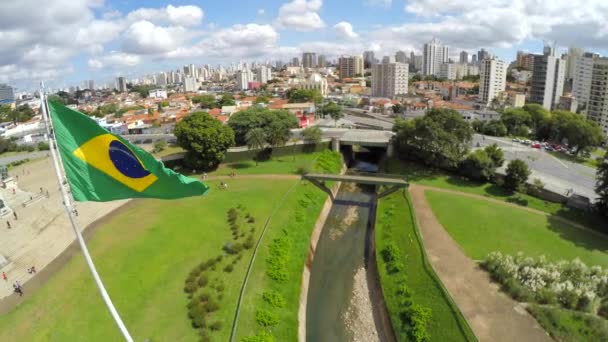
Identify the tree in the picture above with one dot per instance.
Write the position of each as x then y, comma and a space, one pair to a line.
204, 138
226, 100
277, 134
256, 117
601, 187
150, 111
517, 174
262, 99
334, 110
159, 108
159, 146
440, 138
312, 135
514, 118
206, 101
496, 154
495, 128
578, 131
398, 108
478, 165
304, 95
539, 116
256, 140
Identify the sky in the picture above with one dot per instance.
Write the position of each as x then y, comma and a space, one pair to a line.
64, 42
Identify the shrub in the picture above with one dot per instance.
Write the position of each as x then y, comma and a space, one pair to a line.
219, 288
217, 325
278, 258
190, 288
202, 281
251, 219
229, 268
266, 318
603, 309
274, 298
261, 337
211, 306
390, 252
517, 174
43, 146
248, 244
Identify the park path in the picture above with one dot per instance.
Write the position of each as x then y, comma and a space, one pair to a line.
261, 176
491, 314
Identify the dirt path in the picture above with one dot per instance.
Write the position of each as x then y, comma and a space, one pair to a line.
491, 314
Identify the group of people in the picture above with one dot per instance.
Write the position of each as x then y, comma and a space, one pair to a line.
17, 285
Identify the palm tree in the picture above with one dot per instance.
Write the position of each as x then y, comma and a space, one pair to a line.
256, 140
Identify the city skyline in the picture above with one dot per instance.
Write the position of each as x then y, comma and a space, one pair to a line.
67, 42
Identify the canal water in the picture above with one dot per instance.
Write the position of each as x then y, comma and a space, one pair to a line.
339, 306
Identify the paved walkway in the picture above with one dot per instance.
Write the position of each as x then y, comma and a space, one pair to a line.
491, 314
42, 231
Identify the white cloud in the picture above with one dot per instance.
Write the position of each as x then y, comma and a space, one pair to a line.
179, 16
114, 59
378, 3
300, 15
261, 11
143, 37
345, 30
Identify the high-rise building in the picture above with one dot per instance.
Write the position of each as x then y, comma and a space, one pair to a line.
388, 59
243, 77
369, 59
434, 55
321, 61
350, 66
581, 83
474, 59
264, 74
482, 54
401, 57
598, 99
464, 57
418, 63
121, 84
295, 61
453, 71
573, 53
309, 60
389, 78
492, 79
161, 79
547, 79
91, 85
6, 94
525, 60
190, 84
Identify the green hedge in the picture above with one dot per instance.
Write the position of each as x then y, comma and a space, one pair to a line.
232, 157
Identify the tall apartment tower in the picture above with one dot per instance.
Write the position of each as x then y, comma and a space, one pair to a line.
389, 78
243, 77
369, 58
581, 81
547, 79
401, 57
492, 79
598, 98
464, 57
482, 54
350, 66
309, 60
434, 55
321, 61
264, 74
573, 53
121, 84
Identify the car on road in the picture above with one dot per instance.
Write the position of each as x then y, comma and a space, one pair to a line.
516, 140
536, 146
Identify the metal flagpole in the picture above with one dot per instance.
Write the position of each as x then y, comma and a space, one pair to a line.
68, 208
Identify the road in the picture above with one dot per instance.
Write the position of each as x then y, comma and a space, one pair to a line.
17, 157
559, 175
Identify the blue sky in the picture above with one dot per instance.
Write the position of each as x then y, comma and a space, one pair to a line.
66, 41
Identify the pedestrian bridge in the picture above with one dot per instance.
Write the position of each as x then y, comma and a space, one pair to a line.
392, 182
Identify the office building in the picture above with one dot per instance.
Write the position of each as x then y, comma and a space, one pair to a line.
598, 98
547, 79
388, 59
525, 60
243, 77
418, 63
91, 85
295, 62
401, 57
581, 82
350, 66
389, 78
6, 94
482, 54
264, 74
464, 57
474, 59
190, 84
309, 60
161, 79
434, 55
492, 79
321, 61
369, 59
121, 84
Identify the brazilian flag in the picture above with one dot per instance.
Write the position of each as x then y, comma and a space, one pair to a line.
101, 166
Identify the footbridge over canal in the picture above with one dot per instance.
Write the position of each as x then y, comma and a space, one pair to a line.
392, 182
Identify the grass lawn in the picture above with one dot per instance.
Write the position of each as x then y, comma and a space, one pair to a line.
169, 150
591, 161
294, 220
395, 223
566, 325
418, 174
481, 227
144, 254
276, 165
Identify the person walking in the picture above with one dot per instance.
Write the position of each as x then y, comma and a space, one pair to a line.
15, 215
4, 276
8, 225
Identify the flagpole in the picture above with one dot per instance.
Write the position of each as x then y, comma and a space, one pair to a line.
67, 204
